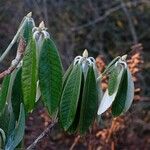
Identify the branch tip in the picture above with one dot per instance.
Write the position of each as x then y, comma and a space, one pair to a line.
85, 53
42, 25
29, 14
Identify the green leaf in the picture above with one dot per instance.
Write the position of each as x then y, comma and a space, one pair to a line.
125, 94
119, 102
112, 82
26, 32
70, 97
17, 134
89, 102
29, 76
50, 76
2, 138
109, 66
17, 95
130, 91
66, 75
73, 128
107, 99
7, 120
3, 93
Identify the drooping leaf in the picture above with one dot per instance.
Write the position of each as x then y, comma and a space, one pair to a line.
7, 119
17, 134
70, 97
107, 100
3, 93
112, 82
124, 96
73, 128
99, 89
50, 75
26, 32
2, 138
89, 102
17, 95
111, 64
29, 76
119, 102
130, 91
66, 75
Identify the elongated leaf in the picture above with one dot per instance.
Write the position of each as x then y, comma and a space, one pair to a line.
112, 83
29, 76
66, 75
73, 128
130, 91
7, 119
100, 92
70, 97
27, 29
3, 93
2, 138
107, 100
17, 134
125, 96
111, 64
89, 104
50, 75
17, 95
119, 102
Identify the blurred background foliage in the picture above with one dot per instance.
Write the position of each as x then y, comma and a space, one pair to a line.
104, 27
101, 26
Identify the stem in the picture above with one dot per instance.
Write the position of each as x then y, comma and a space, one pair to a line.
42, 135
16, 61
12, 42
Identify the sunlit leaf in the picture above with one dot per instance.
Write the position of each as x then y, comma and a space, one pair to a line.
50, 75
70, 97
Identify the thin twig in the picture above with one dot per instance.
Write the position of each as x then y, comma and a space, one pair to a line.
16, 61
75, 142
12, 43
42, 135
131, 25
108, 13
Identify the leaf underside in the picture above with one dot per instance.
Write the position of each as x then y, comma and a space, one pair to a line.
107, 99
17, 134
70, 97
50, 76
